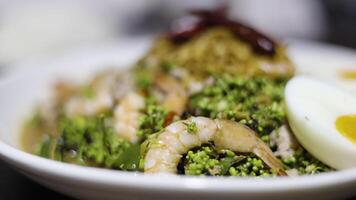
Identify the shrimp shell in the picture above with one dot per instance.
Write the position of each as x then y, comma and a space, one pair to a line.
126, 116
175, 141
175, 95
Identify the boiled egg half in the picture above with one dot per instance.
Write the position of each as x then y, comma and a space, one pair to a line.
323, 118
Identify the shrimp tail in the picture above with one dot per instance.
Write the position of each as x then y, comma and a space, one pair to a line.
267, 156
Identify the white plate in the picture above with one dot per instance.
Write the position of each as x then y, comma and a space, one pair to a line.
27, 85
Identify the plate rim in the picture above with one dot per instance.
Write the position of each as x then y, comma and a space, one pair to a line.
34, 164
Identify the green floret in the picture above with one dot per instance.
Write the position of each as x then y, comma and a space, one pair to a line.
256, 102
88, 141
202, 161
121, 154
208, 161
192, 127
143, 79
305, 163
167, 67
88, 92
36, 120
251, 166
153, 119
47, 148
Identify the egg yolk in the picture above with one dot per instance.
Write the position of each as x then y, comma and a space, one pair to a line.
346, 125
348, 74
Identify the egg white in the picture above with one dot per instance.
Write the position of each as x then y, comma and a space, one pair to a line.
312, 109
327, 65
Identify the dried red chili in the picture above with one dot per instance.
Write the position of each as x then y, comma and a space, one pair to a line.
200, 20
169, 118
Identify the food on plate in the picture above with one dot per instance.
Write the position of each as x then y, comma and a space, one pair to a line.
208, 42
348, 74
164, 152
323, 118
206, 99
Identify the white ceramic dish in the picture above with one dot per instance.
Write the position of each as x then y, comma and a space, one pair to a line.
24, 86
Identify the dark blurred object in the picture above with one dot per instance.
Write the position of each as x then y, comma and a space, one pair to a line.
15, 186
341, 22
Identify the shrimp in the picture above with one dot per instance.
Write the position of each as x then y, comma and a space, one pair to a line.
164, 154
285, 142
175, 96
103, 86
102, 101
128, 111
127, 114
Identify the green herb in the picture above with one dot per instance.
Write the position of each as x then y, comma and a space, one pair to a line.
88, 92
192, 127
88, 141
167, 67
143, 79
305, 163
256, 102
252, 166
201, 161
36, 120
47, 148
207, 161
152, 121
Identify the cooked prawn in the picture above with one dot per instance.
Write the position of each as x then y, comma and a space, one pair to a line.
107, 87
175, 96
127, 114
78, 105
128, 111
164, 154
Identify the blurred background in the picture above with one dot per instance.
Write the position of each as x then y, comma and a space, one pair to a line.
40, 27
